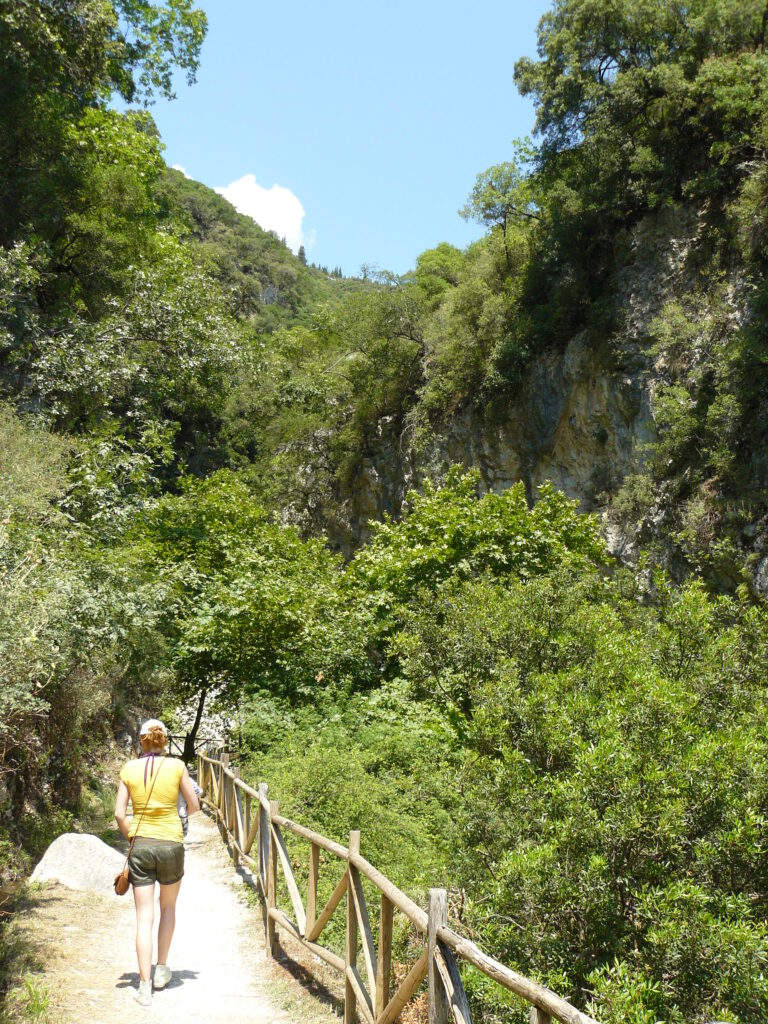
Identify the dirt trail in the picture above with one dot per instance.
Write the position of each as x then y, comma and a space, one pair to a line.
220, 971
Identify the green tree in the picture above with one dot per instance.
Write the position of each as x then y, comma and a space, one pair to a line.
451, 531
57, 60
249, 607
159, 361
641, 96
70, 630
502, 194
438, 269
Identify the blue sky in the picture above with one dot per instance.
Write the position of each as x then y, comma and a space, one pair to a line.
354, 128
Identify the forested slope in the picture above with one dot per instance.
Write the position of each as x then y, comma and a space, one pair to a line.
609, 331
193, 423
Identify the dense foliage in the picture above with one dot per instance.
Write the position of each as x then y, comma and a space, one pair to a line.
581, 758
612, 793
577, 750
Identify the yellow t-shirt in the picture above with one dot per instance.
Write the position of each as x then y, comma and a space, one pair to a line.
161, 817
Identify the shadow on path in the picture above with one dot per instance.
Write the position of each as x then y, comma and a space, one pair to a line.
305, 977
130, 979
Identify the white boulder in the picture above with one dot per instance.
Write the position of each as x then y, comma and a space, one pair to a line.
80, 862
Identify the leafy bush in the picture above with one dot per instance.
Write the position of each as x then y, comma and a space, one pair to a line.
612, 783
452, 531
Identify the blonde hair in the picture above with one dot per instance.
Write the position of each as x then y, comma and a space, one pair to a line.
154, 739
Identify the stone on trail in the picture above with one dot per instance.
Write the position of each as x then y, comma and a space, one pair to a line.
80, 862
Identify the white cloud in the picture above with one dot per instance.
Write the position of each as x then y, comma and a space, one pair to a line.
178, 167
274, 209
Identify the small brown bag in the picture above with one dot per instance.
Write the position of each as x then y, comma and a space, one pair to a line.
123, 879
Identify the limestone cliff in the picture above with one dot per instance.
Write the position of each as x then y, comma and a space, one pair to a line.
579, 422
583, 413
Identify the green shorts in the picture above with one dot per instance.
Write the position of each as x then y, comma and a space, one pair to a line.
156, 860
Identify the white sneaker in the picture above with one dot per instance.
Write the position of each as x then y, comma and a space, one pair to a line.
144, 995
162, 975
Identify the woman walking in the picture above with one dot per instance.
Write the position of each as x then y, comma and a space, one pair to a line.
153, 783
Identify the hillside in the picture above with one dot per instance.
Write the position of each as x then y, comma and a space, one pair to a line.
656, 420
607, 334
271, 287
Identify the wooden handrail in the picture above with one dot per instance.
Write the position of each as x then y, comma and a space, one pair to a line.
534, 993
314, 837
222, 789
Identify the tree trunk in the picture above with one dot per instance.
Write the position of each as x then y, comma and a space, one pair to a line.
189, 740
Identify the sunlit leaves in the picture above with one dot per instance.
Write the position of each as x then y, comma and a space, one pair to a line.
453, 531
153, 41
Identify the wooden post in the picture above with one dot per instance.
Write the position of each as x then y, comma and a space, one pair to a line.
439, 1007
263, 837
314, 870
537, 1016
223, 797
384, 966
247, 818
262, 849
350, 959
272, 883
234, 827
222, 804
227, 808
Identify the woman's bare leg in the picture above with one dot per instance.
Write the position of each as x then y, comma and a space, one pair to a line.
168, 897
144, 898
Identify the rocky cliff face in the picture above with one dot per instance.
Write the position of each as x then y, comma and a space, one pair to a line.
583, 414
577, 422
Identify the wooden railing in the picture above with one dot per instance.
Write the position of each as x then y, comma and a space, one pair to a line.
177, 742
253, 826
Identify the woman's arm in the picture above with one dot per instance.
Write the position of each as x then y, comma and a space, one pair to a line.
189, 794
121, 808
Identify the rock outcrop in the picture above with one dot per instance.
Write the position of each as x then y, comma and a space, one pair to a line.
80, 862
583, 413
578, 423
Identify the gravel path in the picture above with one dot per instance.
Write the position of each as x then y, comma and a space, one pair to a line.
217, 956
